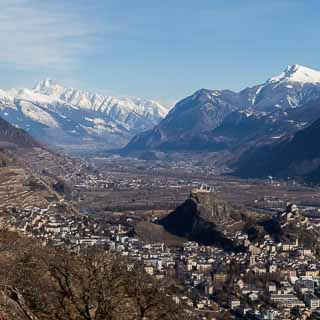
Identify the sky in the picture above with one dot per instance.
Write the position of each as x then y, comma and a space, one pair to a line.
156, 49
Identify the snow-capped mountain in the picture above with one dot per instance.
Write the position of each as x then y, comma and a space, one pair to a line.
295, 86
116, 108
189, 125
297, 73
67, 116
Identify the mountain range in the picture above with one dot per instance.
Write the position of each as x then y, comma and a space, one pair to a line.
195, 122
240, 128
252, 132
78, 119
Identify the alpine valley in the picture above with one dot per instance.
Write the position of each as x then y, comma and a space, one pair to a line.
257, 132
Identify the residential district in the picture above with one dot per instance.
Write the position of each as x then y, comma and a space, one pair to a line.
268, 280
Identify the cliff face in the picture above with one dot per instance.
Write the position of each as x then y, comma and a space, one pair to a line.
199, 219
212, 209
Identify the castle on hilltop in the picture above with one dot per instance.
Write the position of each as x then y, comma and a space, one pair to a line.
204, 188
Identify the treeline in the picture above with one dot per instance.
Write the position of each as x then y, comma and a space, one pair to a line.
40, 283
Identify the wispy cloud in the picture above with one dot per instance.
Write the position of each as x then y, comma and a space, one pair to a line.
39, 35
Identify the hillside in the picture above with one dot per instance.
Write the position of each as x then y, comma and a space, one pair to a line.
296, 156
286, 227
23, 184
11, 136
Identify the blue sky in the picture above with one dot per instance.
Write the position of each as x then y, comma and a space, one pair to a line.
162, 50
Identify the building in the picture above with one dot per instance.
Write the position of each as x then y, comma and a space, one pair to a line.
272, 268
311, 301
149, 270
288, 300
219, 277
272, 287
304, 286
234, 303
290, 246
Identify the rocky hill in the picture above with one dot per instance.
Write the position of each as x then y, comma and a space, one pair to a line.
288, 227
209, 221
203, 218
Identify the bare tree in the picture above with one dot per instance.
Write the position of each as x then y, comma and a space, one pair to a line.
42, 283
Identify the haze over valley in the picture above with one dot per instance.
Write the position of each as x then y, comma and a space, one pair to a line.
159, 160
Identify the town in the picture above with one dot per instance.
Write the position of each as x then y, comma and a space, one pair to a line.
267, 280
103, 201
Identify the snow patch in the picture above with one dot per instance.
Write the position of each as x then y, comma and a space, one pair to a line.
37, 114
297, 73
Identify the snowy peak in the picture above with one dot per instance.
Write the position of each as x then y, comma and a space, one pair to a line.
297, 73
44, 84
99, 102
49, 87
60, 115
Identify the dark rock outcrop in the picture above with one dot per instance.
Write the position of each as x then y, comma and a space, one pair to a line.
199, 219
